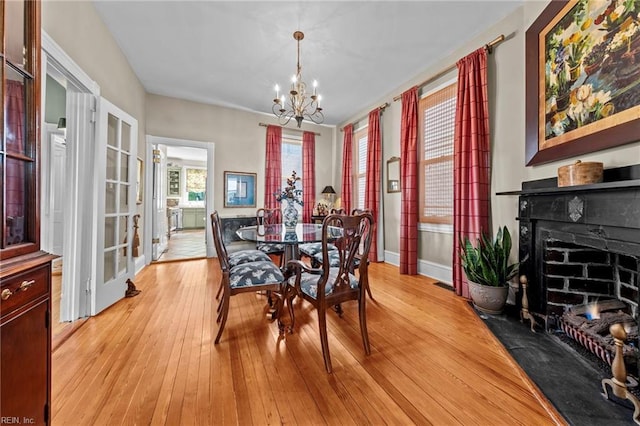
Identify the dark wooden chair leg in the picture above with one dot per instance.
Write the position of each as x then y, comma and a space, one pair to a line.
291, 295
219, 292
324, 340
363, 324
225, 312
369, 290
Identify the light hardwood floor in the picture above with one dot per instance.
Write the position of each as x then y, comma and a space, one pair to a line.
151, 360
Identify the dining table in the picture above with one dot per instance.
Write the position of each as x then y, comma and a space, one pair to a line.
289, 237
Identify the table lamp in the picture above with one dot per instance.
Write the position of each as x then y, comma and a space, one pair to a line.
329, 192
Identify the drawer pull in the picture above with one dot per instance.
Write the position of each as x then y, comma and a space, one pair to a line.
6, 293
26, 284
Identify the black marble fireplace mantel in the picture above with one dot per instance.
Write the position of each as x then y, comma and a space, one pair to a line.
603, 216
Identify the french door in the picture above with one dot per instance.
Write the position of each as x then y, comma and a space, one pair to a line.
115, 201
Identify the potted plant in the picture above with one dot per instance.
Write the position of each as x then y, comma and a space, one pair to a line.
488, 270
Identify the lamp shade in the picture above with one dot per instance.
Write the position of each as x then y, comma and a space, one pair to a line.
328, 190
62, 123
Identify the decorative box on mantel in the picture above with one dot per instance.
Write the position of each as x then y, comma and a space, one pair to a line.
602, 217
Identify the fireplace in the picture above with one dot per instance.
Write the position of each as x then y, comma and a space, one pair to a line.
580, 246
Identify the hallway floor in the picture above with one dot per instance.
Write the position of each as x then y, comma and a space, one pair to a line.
185, 244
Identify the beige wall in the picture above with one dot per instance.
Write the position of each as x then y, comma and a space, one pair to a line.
507, 109
76, 27
239, 141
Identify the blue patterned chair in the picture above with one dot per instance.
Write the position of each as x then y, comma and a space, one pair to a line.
266, 217
238, 257
334, 257
258, 275
329, 286
311, 249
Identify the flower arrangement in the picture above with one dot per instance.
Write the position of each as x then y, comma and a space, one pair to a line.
290, 192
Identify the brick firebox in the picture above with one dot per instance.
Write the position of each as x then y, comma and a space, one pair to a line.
577, 275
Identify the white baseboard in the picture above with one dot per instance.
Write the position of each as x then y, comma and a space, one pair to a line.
437, 271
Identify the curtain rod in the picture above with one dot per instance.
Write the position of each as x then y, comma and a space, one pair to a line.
288, 128
381, 107
488, 47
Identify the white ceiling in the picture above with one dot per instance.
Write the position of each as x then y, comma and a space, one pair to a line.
233, 53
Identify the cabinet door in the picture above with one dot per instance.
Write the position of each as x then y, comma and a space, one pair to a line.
188, 218
173, 182
20, 89
24, 364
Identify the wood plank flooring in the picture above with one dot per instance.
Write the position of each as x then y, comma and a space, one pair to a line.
151, 360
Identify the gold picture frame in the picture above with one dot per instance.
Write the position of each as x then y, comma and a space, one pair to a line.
139, 181
583, 79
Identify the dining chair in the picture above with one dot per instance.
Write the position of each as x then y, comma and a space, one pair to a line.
260, 275
267, 217
334, 257
328, 286
311, 249
237, 257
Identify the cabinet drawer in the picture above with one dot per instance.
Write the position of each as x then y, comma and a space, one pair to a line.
23, 288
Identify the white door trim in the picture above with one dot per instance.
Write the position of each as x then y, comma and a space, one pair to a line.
82, 92
148, 195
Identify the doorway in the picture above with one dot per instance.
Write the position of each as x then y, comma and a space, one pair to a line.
179, 200
67, 158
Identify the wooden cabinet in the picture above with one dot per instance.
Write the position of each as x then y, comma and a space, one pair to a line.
25, 271
193, 217
173, 182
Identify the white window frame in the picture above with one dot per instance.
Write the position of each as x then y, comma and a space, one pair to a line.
292, 140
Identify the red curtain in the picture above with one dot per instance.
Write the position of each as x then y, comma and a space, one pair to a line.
347, 168
273, 167
409, 179
372, 178
15, 131
308, 175
471, 167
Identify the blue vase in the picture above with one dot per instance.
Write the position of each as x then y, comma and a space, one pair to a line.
290, 215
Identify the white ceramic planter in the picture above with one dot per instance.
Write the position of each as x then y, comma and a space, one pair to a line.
487, 298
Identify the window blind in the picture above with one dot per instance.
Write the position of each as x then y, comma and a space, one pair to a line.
436, 131
361, 166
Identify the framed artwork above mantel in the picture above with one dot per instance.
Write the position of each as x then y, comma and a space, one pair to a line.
582, 78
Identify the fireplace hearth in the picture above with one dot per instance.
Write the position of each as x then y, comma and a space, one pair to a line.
580, 247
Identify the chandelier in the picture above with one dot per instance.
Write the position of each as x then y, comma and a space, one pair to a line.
301, 105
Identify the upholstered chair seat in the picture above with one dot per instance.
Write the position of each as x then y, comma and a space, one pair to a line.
270, 248
334, 259
254, 273
311, 249
246, 256
309, 282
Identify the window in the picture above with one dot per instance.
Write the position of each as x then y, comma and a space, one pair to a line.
360, 174
436, 123
196, 184
292, 160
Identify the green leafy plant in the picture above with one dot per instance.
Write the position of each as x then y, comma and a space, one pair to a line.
487, 262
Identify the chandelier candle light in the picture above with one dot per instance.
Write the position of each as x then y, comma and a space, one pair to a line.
300, 106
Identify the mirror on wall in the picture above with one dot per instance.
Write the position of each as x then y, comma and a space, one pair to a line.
393, 174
